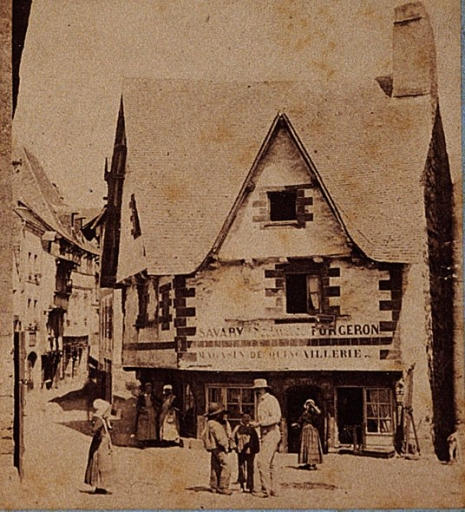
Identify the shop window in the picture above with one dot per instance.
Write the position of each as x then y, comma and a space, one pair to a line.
378, 404
303, 293
237, 400
282, 205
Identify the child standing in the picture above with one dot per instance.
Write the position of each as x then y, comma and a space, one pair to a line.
247, 445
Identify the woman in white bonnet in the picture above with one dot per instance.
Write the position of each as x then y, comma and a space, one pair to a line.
168, 420
99, 464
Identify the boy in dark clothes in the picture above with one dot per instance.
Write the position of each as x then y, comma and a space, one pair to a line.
247, 445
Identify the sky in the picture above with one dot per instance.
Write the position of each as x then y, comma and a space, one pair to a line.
77, 51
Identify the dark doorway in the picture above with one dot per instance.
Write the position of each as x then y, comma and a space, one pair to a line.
350, 415
295, 399
31, 361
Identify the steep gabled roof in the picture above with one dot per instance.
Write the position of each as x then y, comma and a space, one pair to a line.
191, 145
33, 189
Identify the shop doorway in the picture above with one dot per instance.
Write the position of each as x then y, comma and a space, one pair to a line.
295, 399
350, 416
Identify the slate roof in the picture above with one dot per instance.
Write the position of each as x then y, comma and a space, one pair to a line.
32, 188
191, 145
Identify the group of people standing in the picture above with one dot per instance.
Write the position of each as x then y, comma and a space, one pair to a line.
156, 420
219, 440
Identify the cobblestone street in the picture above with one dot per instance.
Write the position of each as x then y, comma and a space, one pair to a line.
56, 455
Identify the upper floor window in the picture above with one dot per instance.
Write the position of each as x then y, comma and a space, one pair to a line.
135, 229
303, 293
143, 300
282, 205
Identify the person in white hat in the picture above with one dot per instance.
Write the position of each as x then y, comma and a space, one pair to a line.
99, 463
168, 420
268, 419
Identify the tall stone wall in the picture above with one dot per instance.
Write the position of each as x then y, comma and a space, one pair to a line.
6, 253
438, 208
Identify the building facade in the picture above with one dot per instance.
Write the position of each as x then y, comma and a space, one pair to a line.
54, 280
106, 355
278, 230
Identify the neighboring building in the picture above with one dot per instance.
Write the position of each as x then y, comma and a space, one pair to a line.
54, 279
279, 230
106, 357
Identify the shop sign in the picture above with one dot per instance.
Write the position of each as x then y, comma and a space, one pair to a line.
288, 358
268, 330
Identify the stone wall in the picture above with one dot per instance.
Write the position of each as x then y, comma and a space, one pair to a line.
6, 253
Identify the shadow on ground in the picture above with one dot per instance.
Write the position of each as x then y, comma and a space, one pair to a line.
199, 488
78, 400
308, 486
301, 468
123, 424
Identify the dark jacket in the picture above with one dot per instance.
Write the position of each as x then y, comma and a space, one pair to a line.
246, 439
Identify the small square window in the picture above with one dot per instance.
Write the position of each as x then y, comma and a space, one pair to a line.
282, 205
303, 293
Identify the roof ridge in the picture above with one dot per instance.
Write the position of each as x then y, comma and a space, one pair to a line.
50, 208
58, 224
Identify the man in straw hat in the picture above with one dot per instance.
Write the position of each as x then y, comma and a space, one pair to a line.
269, 418
218, 446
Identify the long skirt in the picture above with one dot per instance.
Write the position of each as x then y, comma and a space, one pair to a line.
310, 446
99, 464
146, 424
169, 428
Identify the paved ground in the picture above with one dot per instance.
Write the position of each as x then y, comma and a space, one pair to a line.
56, 456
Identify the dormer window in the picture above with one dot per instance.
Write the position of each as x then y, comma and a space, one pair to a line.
282, 205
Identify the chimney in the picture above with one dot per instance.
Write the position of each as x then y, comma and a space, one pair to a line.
414, 56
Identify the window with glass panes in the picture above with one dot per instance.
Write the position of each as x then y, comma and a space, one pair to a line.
237, 400
378, 403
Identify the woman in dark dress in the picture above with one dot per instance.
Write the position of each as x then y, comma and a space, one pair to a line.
146, 416
311, 452
99, 464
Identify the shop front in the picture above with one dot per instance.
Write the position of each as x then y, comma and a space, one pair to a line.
358, 412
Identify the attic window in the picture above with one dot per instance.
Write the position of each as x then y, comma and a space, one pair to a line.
135, 229
282, 205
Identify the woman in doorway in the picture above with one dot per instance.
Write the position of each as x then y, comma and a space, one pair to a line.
310, 453
169, 421
146, 416
99, 464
